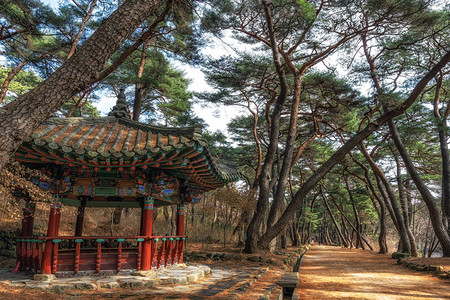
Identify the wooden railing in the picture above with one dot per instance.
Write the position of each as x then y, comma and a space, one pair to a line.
29, 253
98, 253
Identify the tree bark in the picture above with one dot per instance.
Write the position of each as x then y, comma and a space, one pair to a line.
396, 214
404, 206
338, 230
82, 28
139, 86
27, 112
262, 204
357, 220
442, 129
435, 215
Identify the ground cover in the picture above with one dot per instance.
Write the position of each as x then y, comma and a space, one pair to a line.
329, 272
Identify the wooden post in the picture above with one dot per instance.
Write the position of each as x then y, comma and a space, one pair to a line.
147, 229
80, 218
119, 255
180, 219
98, 259
180, 232
27, 231
76, 262
52, 231
28, 216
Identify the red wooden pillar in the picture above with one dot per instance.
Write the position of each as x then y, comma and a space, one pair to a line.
80, 218
180, 231
28, 219
52, 231
146, 230
27, 231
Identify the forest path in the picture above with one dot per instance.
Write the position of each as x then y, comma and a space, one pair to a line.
329, 272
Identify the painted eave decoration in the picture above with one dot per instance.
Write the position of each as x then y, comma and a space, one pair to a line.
117, 144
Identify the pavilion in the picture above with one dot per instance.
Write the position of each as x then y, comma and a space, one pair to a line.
113, 162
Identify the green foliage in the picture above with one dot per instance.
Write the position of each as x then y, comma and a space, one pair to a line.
165, 90
23, 82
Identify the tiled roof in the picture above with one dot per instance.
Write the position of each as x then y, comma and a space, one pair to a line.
109, 136
109, 142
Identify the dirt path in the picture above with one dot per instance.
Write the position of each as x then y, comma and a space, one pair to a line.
337, 273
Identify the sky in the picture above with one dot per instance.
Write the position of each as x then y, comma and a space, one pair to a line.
216, 116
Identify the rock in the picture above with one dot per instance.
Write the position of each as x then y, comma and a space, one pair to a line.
8, 253
180, 280
166, 280
44, 277
151, 283
141, 273
439, 270
420, 268
182, 266
131, 283
38, 286
60, 289
85, 286
400, 255
110, 285
192, 278
254, 258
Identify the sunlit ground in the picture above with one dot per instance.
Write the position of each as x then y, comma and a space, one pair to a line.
337, 273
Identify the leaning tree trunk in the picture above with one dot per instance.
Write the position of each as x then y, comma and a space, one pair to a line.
396, 214
442, 129
339, 155
382, 236
27, 112
428, 198
404, 206
338, 230
357, 220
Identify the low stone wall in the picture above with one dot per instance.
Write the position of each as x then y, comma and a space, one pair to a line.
204, 256
434, 270
8, 244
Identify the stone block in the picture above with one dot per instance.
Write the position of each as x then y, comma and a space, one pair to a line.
85, 286
38, 286
180, 280
152, 282
131, 283
60, 289
400, 255
141, 273
166, 280
110, 285
192, 277
44, 277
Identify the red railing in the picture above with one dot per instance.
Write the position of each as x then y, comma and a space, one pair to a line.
97, 253
29, 253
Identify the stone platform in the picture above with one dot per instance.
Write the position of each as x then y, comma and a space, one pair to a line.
180, 274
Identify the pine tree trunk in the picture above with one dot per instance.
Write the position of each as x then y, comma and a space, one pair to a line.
404, 206
27, 112
435, 215
442, 129
389, 196
341, 236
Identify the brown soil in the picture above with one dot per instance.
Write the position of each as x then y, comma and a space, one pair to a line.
7, 292
337, 273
